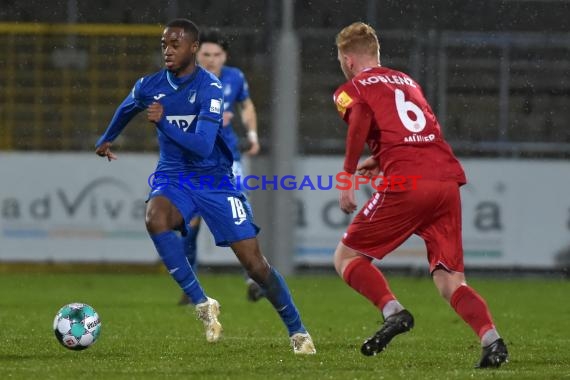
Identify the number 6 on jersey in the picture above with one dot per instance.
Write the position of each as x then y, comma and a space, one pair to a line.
404, 106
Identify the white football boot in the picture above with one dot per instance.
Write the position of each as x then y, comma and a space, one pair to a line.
302, 344
208, 312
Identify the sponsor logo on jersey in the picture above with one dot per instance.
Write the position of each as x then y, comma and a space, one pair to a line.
217, 85
192, 96
159, 96
181, 121
392, 79
216, 105
343, 100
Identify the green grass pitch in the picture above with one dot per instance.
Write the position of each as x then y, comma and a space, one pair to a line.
145, 335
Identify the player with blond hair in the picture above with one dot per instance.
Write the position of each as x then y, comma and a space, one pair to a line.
387, 110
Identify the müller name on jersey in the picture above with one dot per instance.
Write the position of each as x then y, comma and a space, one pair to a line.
420, 138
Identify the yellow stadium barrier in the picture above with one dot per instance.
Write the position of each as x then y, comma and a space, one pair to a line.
60, 83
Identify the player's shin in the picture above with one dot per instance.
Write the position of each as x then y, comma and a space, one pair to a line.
170, 249
473, 309
278, 294
190, 245
361, 275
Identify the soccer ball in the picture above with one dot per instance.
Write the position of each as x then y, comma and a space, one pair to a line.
77, 326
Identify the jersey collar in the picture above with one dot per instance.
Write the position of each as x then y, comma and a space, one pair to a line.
175, 82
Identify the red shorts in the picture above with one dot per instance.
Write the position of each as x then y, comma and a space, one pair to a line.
432, 211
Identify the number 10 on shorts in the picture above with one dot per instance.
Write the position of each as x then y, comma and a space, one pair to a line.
238, 212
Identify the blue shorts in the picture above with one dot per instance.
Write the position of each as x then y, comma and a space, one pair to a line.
226, 212
237, 171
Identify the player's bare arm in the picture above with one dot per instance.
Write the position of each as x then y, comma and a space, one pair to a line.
227, 118
249, 119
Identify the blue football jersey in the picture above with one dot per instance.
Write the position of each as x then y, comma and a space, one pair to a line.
236, 90
186, 101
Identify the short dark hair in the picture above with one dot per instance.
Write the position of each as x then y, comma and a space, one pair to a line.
214, 36
188, 26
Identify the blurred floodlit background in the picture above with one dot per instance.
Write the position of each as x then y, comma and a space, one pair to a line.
497, 73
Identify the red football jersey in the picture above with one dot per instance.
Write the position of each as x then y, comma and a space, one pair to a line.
404, 135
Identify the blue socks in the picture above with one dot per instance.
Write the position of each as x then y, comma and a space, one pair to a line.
190, 245
169, 247
278, 294
177, 256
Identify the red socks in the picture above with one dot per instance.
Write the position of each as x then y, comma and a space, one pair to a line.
366, 279
473, 309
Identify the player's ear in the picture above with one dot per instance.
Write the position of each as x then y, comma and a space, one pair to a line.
194, 47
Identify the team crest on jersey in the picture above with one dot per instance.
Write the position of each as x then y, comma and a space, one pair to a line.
192, 96
343, 100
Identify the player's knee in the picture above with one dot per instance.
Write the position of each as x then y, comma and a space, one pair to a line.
338, 264
447, 283
156, 223
342, 256
445, 291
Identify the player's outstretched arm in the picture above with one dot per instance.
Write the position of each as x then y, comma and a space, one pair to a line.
123, 115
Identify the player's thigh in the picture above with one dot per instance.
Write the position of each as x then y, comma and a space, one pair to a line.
162, 215
447, 282
227, 214
384, 223
442, 232
173, 203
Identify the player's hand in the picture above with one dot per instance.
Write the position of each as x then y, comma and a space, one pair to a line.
227, 116
369, 167
154, 112
104, 150
347, 200
253, 143
253, 149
